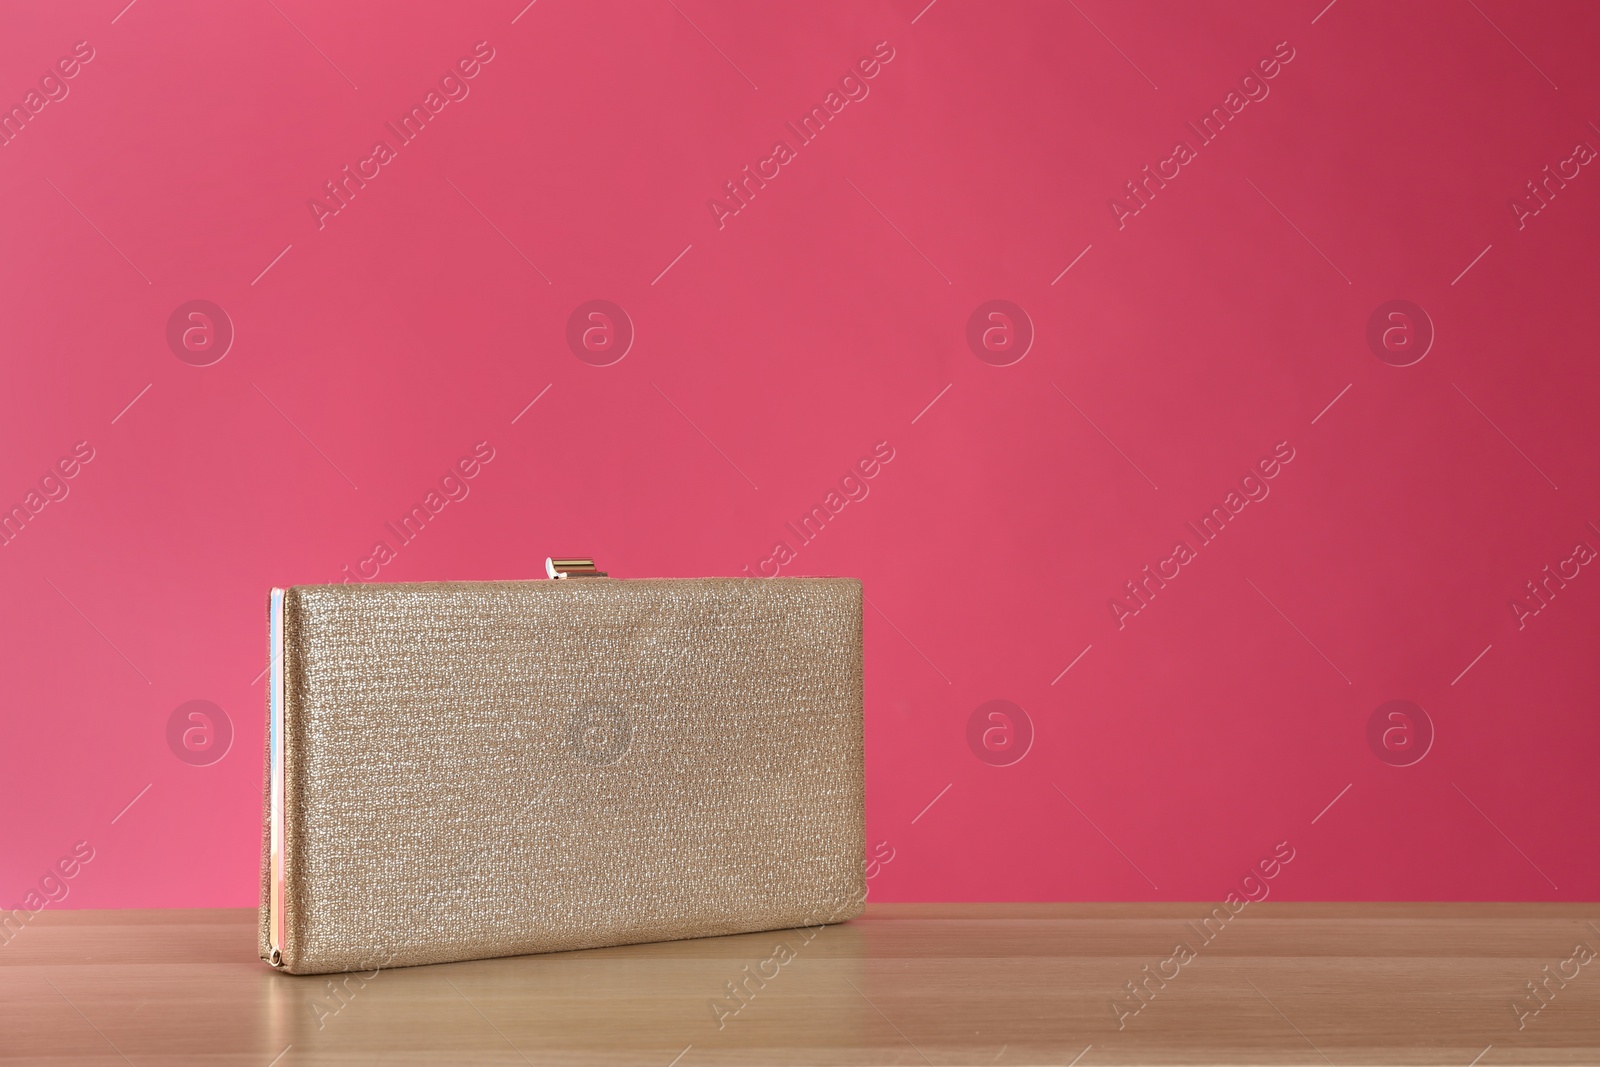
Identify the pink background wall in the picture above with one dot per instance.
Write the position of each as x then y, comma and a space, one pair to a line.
1151, 359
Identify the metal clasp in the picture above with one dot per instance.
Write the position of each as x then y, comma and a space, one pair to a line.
572, 568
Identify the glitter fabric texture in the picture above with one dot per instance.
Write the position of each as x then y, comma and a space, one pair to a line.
479, 769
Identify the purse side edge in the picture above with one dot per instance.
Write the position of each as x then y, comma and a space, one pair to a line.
277, 945
839, 910
263, 928
857, 592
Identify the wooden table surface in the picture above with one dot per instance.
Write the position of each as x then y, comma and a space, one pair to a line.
991, 984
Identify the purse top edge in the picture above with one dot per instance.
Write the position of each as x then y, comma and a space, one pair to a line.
580, 582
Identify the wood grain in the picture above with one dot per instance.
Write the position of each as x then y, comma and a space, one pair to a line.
993, 984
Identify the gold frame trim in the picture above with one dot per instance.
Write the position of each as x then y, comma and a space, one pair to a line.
275, 892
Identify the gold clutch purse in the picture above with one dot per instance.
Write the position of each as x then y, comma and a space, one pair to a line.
460, 770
